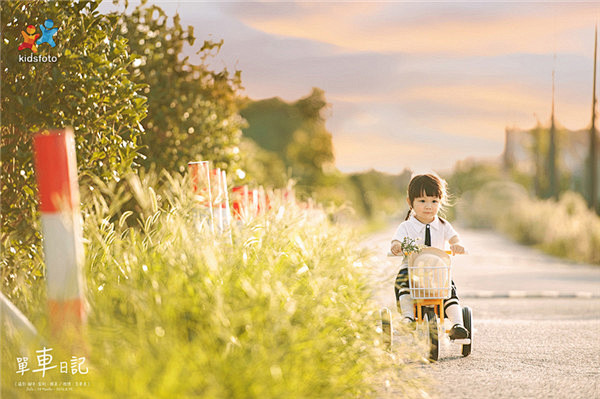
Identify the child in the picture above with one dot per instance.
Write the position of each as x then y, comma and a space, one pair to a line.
426, 194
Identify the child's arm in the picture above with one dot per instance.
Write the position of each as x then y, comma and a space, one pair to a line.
397, 238
455, 247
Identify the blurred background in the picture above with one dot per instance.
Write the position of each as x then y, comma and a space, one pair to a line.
351, 99
345, 100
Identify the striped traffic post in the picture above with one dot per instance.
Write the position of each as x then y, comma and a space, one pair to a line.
289, 195
200, 179
225, 210
218, 181
217, 197
56, 172
269, 198
240, 202
262, 200
254, 203
225, 204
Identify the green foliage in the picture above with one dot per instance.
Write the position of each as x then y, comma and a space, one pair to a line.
295, 132
409, 246
283, 313
468, 175
88, 89
488, 205
192, 111
373, 196
261, 167
381, 193
271, 123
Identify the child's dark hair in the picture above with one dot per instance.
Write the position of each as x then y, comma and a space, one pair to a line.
429, 184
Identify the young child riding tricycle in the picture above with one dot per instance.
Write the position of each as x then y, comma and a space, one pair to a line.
424, 291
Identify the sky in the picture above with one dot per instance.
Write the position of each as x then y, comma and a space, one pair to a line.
418, 85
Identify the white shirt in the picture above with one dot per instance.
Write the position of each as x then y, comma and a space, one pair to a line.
412, 228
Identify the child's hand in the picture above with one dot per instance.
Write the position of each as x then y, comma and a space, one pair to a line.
457, 249
396, 248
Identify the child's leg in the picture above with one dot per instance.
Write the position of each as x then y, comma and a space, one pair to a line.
452, 308
404, 302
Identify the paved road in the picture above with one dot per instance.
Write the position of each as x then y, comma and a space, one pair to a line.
536, 320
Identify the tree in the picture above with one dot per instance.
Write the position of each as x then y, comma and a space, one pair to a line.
192, 110
87, 88
295, 132
261, 167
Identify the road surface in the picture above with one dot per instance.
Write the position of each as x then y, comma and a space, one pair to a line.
536, 321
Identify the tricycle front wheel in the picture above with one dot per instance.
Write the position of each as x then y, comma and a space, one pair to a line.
468, 322
431, 323
386, 328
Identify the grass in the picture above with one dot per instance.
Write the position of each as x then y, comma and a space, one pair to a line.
566, 228
280, 310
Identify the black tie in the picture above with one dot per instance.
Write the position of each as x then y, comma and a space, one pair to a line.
428, 235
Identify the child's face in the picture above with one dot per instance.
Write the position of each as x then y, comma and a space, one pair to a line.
425, 208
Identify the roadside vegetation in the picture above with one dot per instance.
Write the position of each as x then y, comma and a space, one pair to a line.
283, 310
566, 227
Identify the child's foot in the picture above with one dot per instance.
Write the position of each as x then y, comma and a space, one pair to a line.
458, 332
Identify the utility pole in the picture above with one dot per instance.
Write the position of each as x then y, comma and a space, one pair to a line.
552, 174
593, 198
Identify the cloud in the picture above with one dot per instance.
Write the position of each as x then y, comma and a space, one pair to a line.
371, 151
513, 87
468, 110
433, 82
475, 28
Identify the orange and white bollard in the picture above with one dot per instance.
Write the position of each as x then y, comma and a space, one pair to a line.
218, 182
262, 201
200, 179
218, 198
225, 210
254, 207
289, 196
56, 171
240, 203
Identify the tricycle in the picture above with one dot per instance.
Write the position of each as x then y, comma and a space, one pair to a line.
429, 285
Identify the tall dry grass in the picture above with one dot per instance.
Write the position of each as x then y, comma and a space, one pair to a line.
566, 228
282, 310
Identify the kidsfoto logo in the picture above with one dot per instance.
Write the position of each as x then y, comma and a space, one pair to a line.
32, 39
